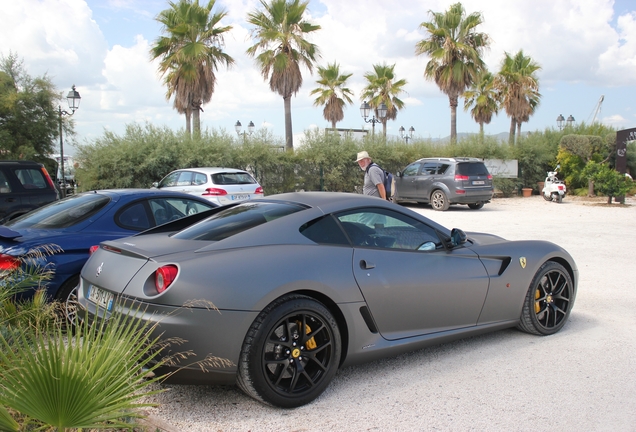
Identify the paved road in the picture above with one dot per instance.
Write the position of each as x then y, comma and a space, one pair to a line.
581, 379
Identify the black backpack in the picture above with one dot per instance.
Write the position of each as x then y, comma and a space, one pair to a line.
388, 180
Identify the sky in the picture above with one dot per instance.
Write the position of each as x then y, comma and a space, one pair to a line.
586, 50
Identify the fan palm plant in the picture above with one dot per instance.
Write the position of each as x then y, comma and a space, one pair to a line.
280, 48
190, 54
518, 85
332, 93
482, 99
455, 48
383, 87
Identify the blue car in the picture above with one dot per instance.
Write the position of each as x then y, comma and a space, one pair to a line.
76, 224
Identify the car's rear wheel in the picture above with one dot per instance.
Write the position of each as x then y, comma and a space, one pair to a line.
476, 206
439, 200
67, 296
546, 197
548, 301
291, 352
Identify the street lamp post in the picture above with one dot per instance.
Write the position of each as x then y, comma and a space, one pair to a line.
404, 135
562, 122
238, 126
73, 98
365, 110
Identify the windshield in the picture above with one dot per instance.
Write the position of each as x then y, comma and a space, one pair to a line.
237, 219
63, 213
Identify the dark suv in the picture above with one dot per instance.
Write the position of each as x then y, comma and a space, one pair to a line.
445, 181
24, 186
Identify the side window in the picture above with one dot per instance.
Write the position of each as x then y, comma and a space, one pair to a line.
31, 178
169, 180
4, 184
430, 168
185, 178
411, 170
386, 229
443, 168
199, 179
324, 230
170, 209
134, 217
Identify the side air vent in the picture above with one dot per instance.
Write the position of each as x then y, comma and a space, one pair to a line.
368, 319
504, 265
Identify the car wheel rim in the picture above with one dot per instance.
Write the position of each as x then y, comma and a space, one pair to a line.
552, 299
295, 361
438, 200
70, 306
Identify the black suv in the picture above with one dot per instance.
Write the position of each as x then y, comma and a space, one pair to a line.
24, 186
445, 181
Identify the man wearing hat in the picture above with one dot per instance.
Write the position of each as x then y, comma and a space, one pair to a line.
373, 176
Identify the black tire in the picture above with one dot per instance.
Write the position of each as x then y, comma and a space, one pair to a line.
476, 206
559, 198
67, 296
439, 200
546, 197
286, 368
548, 301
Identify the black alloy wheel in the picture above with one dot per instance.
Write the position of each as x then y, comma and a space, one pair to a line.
291, 352
549, 300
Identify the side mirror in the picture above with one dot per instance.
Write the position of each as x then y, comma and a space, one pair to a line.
458, 237
398, 174
155, 184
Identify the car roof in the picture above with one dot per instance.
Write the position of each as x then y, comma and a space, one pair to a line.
144, 192
328, 201
453, 159
212, 170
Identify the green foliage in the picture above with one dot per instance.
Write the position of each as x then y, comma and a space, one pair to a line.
80, 380
607, 181
29, 119
535, 157
507, 186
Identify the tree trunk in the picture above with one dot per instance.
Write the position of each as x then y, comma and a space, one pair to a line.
289, 136
188, 116
590, 187
518, 130
384, 128
481, 132
511, 134
196, 120
453, 106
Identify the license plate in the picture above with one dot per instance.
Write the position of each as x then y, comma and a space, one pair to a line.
479, 182
239, 197
101, 297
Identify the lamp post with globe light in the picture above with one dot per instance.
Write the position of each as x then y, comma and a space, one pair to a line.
73, 99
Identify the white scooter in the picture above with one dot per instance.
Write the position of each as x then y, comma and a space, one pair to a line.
553, 189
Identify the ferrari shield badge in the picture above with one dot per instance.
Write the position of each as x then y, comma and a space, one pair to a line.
522, 261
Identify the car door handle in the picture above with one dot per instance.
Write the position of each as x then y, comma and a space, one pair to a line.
366, 265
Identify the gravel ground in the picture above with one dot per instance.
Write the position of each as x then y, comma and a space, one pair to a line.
580, 379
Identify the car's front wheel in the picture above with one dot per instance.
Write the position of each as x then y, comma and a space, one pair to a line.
439, 200
291, 352
67, 296
548, 301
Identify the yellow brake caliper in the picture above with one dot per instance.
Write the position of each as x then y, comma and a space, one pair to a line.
537, 306
311, 343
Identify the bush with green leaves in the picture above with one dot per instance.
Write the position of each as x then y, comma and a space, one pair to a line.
607, 181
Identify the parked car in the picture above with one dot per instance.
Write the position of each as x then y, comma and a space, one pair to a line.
442, 182
79, 222
24, 186
219, 185
308, 282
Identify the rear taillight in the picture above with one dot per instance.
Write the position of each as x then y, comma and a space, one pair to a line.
164, 276
8, 263
48, 178
259, 190
489, 176
461, 177
460, 191
214, 192
92, 250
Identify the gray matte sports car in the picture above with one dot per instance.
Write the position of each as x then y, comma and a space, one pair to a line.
308, 282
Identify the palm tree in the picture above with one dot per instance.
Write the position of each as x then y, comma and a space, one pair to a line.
280, 48
383, 87
482, 99
332, 94
518, 85
455, 48
190, 54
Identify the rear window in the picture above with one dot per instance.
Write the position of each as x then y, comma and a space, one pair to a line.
31, 178
231, 178
471, 169
237, 219
62, 214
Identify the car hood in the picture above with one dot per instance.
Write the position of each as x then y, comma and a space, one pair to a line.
482, 239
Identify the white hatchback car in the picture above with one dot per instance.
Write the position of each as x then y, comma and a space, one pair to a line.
219, 185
